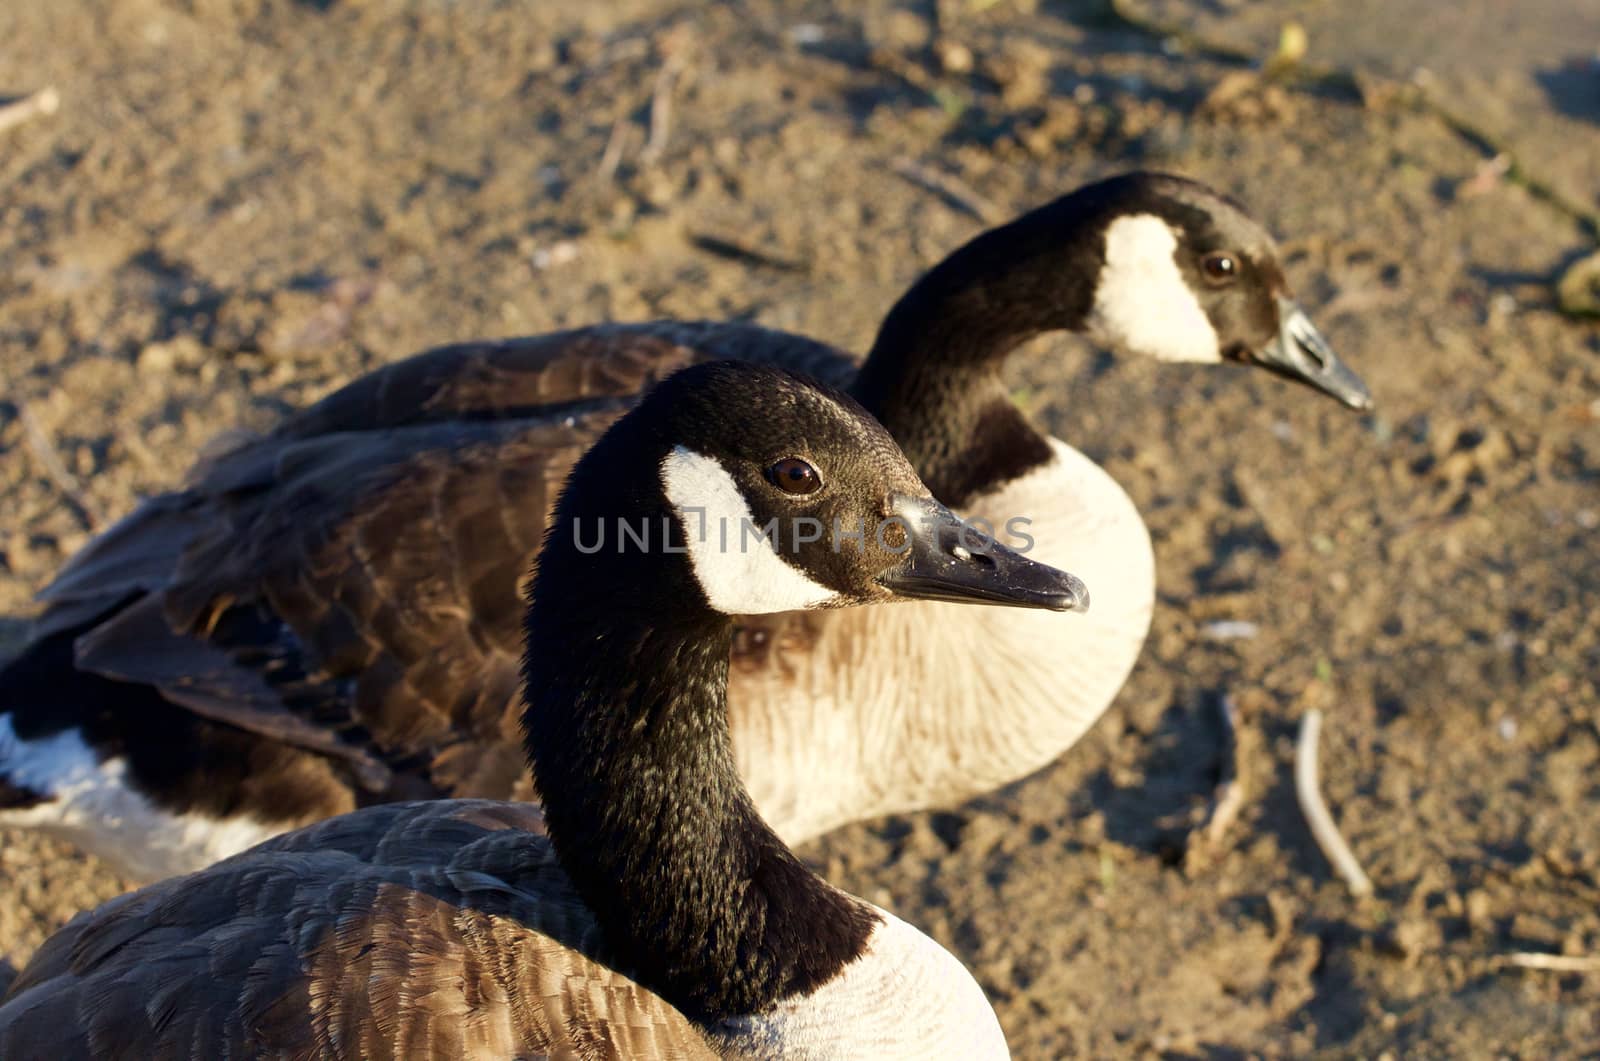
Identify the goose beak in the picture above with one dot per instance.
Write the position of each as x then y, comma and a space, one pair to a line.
1301, 353
945, 559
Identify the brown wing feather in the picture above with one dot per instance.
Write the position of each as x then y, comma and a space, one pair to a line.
444, 929
351, 582
368, 598
137, 644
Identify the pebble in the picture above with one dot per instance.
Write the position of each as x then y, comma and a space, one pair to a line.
954, 57
181, 351
1414, 936
555, 255
1478, 907
1230, 630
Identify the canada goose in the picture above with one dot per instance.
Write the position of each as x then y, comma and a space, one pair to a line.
647, 910
326, 616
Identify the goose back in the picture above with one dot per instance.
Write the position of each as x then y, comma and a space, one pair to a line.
417, 921
350, 584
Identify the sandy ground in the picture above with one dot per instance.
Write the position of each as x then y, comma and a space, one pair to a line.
240, 204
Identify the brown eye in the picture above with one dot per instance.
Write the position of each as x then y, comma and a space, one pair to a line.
794, 476
1219, 268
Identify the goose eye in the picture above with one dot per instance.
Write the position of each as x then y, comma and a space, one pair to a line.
1219, 268
794, 476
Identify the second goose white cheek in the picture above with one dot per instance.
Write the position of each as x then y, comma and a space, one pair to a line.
1142, 303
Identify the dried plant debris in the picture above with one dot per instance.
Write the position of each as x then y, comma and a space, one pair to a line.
1578, 290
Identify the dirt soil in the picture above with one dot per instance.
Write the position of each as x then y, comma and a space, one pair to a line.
240, 204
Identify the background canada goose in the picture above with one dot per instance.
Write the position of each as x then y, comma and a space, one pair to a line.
341, 594
647, 911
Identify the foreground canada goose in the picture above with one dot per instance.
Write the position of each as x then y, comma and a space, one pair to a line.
647, 911
328, 617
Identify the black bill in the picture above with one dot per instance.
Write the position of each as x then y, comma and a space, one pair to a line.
1301, 353
945, 559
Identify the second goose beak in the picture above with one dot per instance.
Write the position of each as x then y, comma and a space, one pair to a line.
1300, 352
945, 559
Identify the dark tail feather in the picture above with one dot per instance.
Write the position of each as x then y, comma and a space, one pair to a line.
7, 974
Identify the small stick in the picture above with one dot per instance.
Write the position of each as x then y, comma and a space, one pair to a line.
1229, 793
43, 102
612, 156
909, 73
736, 249
952, 190
1323, 830
661, 108
1561, 963
1227, 798
44, 451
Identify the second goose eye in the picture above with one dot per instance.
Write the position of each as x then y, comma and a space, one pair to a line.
1219, 268
794, 476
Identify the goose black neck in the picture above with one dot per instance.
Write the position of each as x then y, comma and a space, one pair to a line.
933, 376
627, 731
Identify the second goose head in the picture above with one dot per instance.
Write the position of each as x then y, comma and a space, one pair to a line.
1145, 263
1186, 275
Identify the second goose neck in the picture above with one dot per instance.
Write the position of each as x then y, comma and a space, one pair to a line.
933, 375
628, 733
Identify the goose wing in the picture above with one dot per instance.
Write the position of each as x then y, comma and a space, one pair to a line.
351, 582
444, 929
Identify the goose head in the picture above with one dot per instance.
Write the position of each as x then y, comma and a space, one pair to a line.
1185, 275
771, 493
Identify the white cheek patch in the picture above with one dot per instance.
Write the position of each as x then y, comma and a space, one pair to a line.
736, 565
1142, 305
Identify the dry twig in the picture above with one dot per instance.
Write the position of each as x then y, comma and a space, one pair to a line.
1227, 798
736, 248
44, 451
611, 157
951, 189
43, 102
661, 107
904, 70
1560, 963
1307, 789
1229, 793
